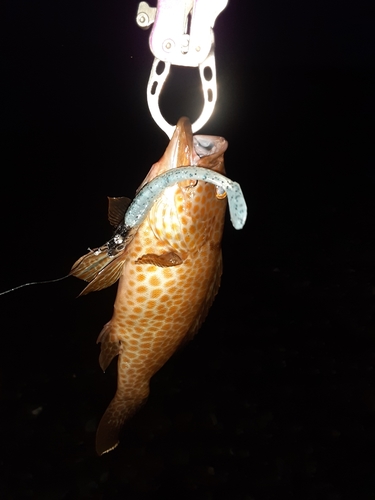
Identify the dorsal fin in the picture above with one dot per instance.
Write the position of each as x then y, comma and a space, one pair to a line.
117, 207
102, 266
99, 270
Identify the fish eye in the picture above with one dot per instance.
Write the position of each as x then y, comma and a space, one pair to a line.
220, 193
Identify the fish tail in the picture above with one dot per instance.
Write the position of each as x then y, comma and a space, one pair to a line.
118, 412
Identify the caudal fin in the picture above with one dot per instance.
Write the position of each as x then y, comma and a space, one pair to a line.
118, 412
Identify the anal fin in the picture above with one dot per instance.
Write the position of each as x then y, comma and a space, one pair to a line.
110, 346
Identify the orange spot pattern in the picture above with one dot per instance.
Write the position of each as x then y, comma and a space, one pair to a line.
156, 308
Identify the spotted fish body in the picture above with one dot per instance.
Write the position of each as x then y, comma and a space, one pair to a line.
170, 274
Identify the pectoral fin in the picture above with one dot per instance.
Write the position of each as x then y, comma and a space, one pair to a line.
164, 260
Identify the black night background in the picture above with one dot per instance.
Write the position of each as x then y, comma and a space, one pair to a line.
275, 396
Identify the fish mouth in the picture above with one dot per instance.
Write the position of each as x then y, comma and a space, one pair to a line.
186, 150
182, 144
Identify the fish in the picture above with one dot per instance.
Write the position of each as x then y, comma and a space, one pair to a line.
169, 269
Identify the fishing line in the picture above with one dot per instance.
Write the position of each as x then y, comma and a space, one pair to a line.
33, 283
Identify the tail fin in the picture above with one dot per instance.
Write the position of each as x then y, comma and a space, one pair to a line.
118, 412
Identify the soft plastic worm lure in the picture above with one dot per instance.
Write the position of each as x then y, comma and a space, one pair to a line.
142, 203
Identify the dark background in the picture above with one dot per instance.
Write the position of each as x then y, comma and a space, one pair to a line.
275, 397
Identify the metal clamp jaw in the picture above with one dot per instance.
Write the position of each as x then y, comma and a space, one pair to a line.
182, 35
